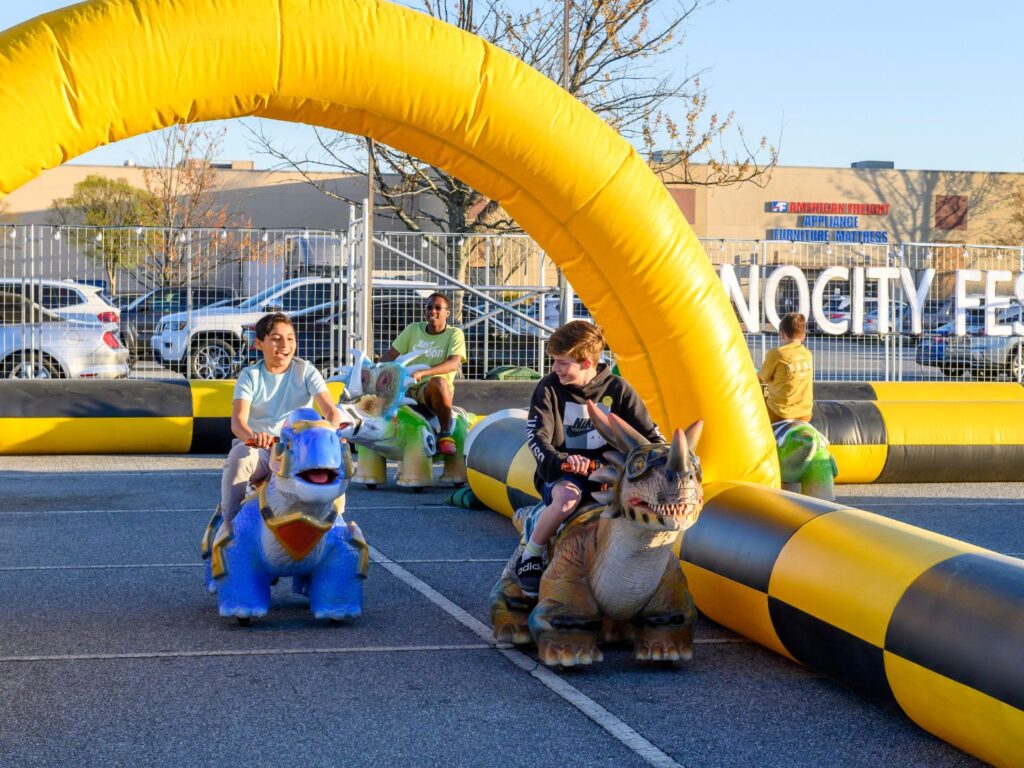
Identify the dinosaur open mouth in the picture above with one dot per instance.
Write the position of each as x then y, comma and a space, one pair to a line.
686, 511
319, 476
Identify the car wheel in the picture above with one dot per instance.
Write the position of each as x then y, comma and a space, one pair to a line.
213, 359
955, 371
22, 366
984, 374
1015, 365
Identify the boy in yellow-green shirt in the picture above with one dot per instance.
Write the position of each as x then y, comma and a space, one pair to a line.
787, 374
443, 348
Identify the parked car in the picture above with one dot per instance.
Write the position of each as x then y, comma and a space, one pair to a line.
322, 340
140, 318
938, 312
943, 349
36, 343
66, 298
990, 357
122, 300
211, 338
552, 306
900, 319
835, 308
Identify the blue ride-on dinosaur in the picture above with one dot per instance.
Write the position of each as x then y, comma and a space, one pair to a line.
292, 526
388, 425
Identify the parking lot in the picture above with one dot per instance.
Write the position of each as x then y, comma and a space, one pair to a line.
112, 654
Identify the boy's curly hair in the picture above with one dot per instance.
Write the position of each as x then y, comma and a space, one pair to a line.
578, 340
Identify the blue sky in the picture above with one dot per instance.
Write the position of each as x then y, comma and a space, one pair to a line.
928, 85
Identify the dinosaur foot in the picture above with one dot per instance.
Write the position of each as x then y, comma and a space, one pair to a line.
451, 481
511, 627
674, 644
339, 613
418, 484
510, 609
568, 649
243, 611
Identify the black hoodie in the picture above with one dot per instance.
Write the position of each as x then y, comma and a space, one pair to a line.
558, 423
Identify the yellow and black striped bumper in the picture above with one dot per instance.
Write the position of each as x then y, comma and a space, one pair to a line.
892, 611
66, 417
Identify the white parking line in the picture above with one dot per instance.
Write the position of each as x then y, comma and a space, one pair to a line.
240, 652
199, 564
609, 722
190, 510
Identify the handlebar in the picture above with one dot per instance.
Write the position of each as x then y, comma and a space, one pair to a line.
591, 466
252, 443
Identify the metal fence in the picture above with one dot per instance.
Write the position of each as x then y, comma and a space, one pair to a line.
154, 303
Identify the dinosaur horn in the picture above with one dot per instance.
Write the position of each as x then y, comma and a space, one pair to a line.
679, 454
407, 358
606, 475
693, 434
355, 379
628, 437
417, 367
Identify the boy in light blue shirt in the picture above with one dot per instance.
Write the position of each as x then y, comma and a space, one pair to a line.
265, 393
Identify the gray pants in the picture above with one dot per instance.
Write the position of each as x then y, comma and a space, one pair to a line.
244, 464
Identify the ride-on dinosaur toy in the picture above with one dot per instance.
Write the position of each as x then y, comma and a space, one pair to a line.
388, 425
612, 573
292, 526
805, 463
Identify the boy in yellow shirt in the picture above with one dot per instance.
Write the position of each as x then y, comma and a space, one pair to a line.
787, 374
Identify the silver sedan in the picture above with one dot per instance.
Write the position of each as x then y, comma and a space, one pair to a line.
36, 343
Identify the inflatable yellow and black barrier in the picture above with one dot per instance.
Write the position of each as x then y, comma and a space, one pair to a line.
912, 432
880, 432
895, 612
130, 416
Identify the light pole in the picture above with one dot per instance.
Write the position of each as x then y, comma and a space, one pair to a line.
565, 292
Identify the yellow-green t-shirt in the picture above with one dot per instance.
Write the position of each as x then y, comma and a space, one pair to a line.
789, 373
433, 349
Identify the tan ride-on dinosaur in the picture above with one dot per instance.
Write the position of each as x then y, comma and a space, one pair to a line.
612, 572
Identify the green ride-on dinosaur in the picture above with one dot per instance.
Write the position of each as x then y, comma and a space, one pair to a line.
389, 425
805, 464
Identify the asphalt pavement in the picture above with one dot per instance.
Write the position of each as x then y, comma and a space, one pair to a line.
112, 654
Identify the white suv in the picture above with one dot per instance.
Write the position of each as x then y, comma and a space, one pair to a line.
66, 298
209, 343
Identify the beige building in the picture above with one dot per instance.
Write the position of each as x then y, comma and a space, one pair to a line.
266, 199
872, 203
858, 204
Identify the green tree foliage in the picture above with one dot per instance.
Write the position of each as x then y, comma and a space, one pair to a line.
115, 205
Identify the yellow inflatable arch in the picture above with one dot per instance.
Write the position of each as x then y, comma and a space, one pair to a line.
106, 70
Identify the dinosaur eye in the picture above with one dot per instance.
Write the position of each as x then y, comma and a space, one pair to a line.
637, 465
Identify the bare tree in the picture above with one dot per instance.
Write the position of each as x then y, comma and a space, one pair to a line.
617, 66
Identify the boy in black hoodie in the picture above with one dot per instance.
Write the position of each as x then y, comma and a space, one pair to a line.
563, 438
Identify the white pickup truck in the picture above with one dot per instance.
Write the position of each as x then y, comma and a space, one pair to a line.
208, 342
